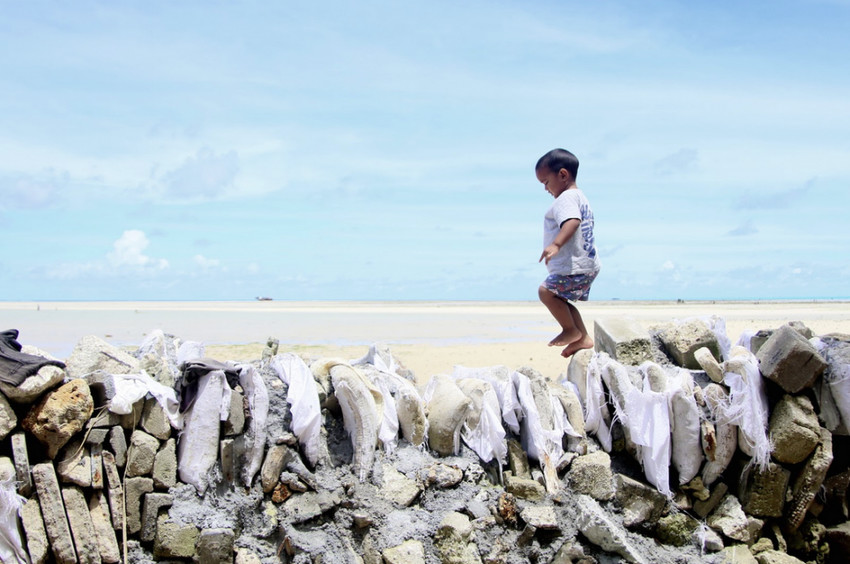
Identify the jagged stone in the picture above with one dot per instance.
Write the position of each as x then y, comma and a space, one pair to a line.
703, 508
309, 505
838, 539
684, 339
601, 530
442, 476
22, 464
624, 339
32, 388
215, 546
246, 556
706, 360
809, 480
525, 489
737, 554
789, 360
8, 419
408, 552
273, 465
235, 422
174, 540
107, 542
82, 528
707, 539
114, 490
794, 429
102, 387
59, 415
141, 454
776, 557
74, 464
154, 420
762, 493
676, 529
31, 519
118, 445
92, 353
398, 488
540, 517
454, 540
518, 460
165, 466
577, 371
53, 512
729, 518
97, 467
641, 503
591, 474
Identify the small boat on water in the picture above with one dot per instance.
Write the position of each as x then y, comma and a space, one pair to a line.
263, 299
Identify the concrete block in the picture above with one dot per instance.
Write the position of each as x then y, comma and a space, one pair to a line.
135, 489
165, 466
8, 419
97, 467
150, 512
174, 540
97, 436
118, 445
762, 494
74, 464
22, 464
790, 361
228, 469
141, 454
215, 546
114, 490
53, 513
624, 339
235, 423
82, 528
155, 421
107, 542
37, 544
682, 340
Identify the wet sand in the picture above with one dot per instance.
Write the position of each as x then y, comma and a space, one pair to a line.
427, 337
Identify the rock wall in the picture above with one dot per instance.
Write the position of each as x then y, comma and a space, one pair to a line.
666, 445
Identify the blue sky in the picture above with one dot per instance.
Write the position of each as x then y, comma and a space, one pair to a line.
385, 150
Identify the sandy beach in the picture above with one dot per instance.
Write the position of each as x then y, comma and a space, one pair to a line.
427, 337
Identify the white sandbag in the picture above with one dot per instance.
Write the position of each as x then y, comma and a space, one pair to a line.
500, 378
687, 455
837, 375
620, 385
404, 408
11, 542
362, 413
598, 419
720, 448
130, 388
254, 439
188, 351
649, 419
568, 399
197, 446
447, 408
538, 437
482, 430
747, 406
388, 433
302, 396
717, 325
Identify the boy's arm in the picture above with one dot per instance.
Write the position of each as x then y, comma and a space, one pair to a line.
568, 229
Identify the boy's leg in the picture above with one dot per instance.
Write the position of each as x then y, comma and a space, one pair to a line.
584, 341
562, 313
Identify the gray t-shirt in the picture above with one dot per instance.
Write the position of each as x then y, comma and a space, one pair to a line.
578, 255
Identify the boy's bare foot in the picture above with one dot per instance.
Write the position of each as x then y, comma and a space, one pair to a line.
584, 343
565, 338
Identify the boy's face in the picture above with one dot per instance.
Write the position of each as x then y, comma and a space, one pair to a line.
554, 182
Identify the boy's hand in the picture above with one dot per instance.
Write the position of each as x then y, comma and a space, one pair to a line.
549, 252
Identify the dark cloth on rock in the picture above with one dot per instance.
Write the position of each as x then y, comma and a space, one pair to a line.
191, 372
15, 366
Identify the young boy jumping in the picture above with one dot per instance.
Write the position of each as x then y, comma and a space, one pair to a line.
568, 249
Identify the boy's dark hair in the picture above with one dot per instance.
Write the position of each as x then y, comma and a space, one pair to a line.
556, 159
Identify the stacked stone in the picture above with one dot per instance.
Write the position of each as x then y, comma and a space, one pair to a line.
102, 487
795, 504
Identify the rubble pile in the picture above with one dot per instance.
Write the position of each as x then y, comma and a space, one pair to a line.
663, 445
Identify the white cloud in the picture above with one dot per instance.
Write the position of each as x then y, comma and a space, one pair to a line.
128, 251
668, 265
204, 262
204, 175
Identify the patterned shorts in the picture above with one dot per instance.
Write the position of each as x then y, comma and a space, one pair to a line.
575, 287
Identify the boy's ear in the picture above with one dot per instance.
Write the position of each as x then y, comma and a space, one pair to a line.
564, 173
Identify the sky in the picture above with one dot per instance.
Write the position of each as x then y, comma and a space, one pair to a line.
385, 150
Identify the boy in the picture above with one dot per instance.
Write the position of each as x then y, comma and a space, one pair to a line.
569, 249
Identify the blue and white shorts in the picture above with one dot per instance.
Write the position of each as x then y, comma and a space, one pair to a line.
572, 287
